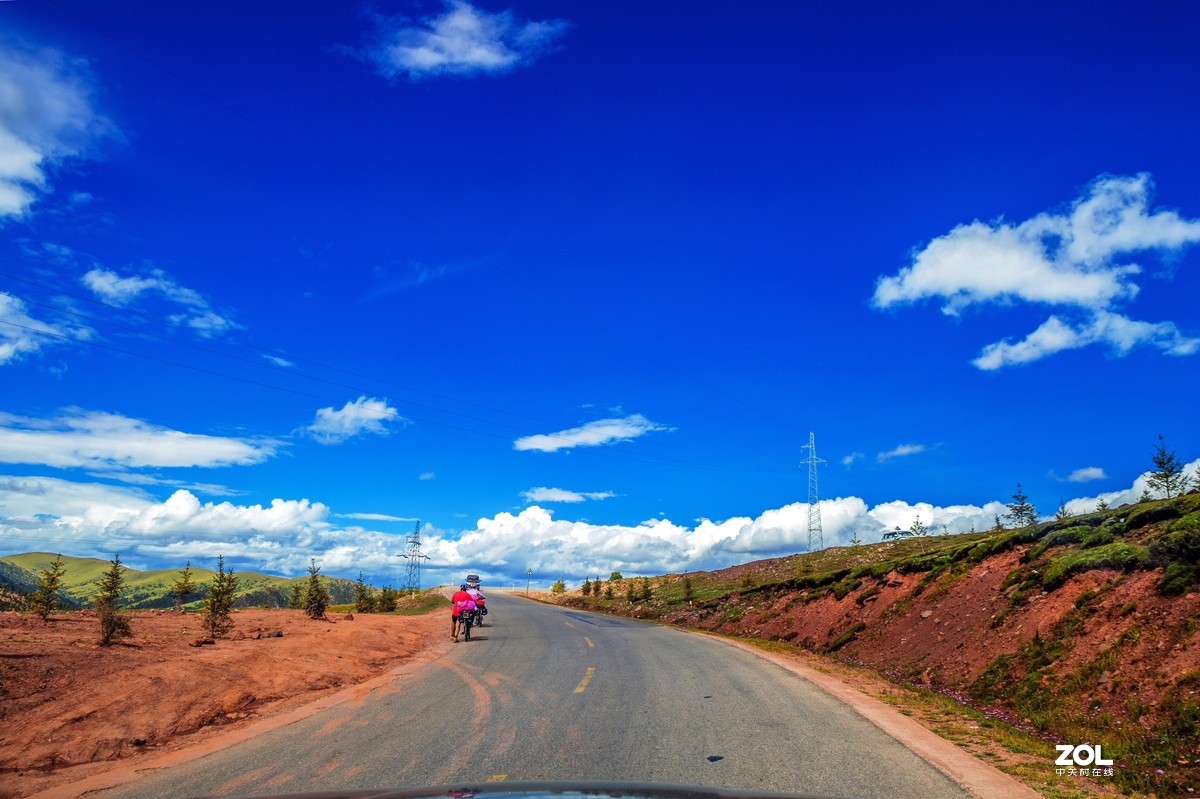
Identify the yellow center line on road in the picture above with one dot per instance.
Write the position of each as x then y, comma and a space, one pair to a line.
497, 778
590, 644
587, 678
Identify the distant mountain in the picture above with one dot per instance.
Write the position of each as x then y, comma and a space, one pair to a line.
152, 589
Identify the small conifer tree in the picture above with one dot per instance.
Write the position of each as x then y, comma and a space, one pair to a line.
387, 599
687, 588
183, 587
918, 528
646, 593
49, 581
587, 587
296, 596
1168, 477
218, 604
630, 592
1062, 514
1021, 512
999, 525
364, 597
559, 587
1145, 497
113, 623
1101, 504
316, 595
608, 591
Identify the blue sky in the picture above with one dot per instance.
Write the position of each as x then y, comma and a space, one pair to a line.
573, 283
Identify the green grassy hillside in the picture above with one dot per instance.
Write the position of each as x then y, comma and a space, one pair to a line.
152, 589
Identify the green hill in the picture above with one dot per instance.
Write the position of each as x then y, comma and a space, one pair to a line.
152, 589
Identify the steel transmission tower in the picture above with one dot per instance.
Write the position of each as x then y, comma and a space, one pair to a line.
412, 575
816, 538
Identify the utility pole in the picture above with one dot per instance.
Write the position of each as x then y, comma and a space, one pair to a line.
412, 575
816, 537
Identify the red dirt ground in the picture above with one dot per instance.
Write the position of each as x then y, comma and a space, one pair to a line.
70, 709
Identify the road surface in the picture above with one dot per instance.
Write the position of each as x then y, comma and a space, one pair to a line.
550, 693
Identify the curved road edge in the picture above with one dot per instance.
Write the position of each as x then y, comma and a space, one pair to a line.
978, 777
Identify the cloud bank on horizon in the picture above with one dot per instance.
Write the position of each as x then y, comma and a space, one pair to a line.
1074, 261
97, 519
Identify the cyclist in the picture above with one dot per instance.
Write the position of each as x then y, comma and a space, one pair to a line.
480, 601
461, 603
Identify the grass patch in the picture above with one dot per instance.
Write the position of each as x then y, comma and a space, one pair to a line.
1119, 555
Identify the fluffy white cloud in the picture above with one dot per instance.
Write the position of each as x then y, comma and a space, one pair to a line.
901, 451
1074, 260
462, 41
852, 458
592, 434
46, 116
543, 494
119, 292
183, 513
21, 334
97, 440
360, 416
1087, 475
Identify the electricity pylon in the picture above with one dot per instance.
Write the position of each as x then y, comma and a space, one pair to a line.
412, 575
816, 537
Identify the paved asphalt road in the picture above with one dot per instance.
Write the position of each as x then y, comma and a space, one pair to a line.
550, 693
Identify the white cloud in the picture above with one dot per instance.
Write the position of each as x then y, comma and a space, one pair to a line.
1087, 475
1076, 260
543, 494
46, 117
375, 517
1118, 332
462, 41
21, 334
901, 451
853, 457
601, 431
282, 363
355, 418
120, 292
97, 440
427, 476
183, 513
